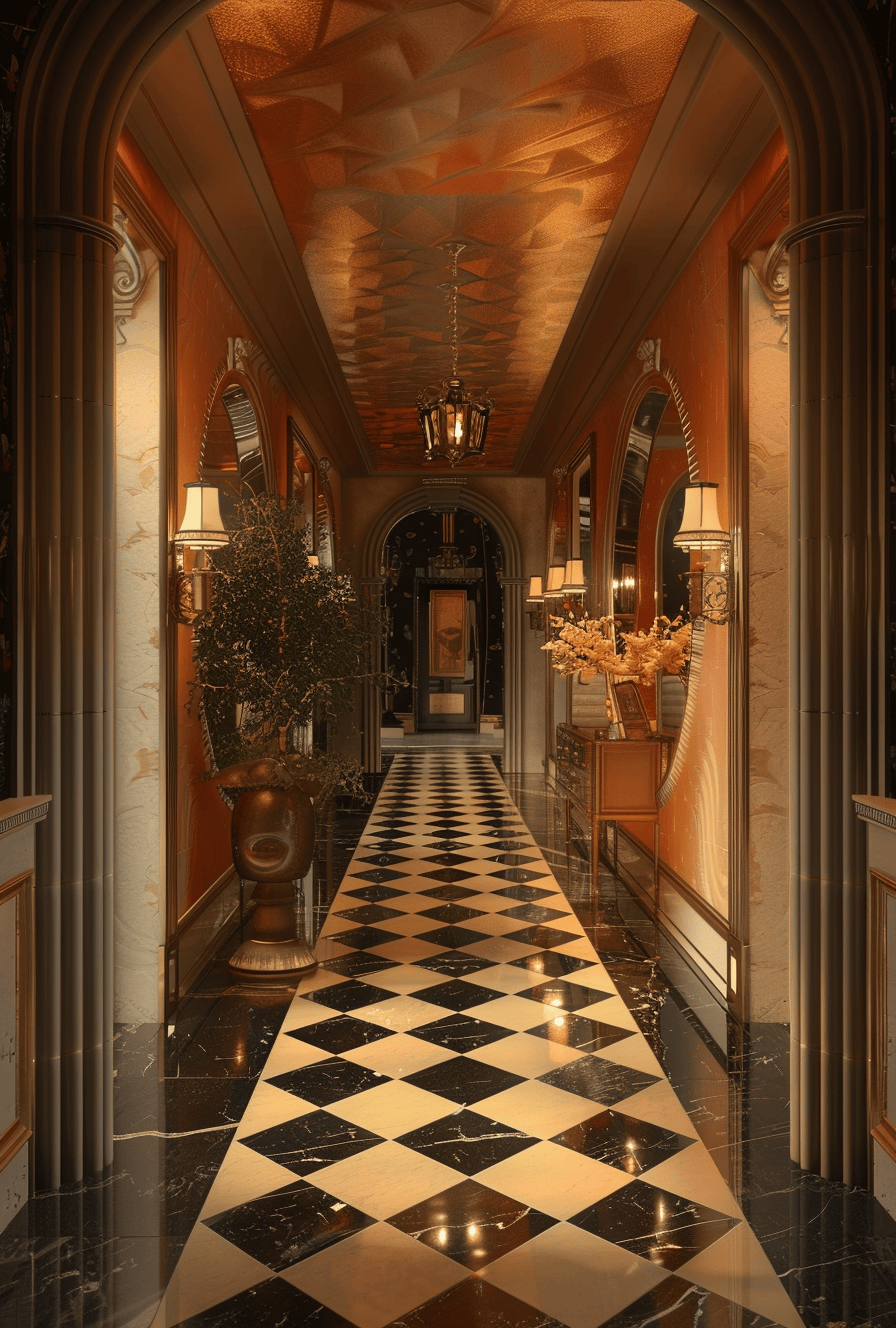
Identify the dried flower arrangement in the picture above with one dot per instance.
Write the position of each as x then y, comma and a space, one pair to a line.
589, 646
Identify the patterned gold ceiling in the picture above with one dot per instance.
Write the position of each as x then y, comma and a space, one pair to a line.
390, 127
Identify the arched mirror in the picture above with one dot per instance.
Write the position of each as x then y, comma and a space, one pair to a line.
325, 545
233, 450
648, 574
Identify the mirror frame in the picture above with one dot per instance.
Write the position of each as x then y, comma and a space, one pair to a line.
662, 379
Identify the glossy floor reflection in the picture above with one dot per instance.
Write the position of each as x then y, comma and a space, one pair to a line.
474, 1091
564, 1188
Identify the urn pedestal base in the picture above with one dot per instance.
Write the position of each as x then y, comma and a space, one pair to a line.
277, 946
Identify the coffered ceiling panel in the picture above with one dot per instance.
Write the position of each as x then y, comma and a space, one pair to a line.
392, 127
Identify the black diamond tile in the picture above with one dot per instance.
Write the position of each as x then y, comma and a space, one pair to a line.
519, 875
452, 938
502, 840
452, 913
315, 1140
364, 938
450, 892
449, 875
384, 845
447, 845
564, 995
445, 838
378, 875
463, 1080
543, 937
328, 1081
471, 1223
501, 822
513, 859
524, 912
458, 1032
384, 860
623, 1141
527, 893
270, 1302
350, 995
661, 1227
373, 893
381, 832
678, 1302
352, 965
288, 1225
457, 963
372, 913
459, 995
343, 1033
574, 1030
599, 1080
549, 962
467, 1141
449, 859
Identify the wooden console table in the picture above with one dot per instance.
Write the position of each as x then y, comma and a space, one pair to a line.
609, 780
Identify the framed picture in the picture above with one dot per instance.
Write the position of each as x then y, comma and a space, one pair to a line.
301, 477
447, 633
630, 709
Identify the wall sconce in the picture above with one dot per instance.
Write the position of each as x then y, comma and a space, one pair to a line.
201, 529
711, 588
573, 588
535, 604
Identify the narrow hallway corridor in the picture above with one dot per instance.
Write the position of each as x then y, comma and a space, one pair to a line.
460, 1122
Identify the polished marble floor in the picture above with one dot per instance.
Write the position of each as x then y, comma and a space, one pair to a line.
464, 1117
460, 1121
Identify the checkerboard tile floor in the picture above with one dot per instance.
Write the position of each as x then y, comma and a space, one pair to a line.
460, 1123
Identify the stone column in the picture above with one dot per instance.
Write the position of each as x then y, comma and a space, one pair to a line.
833, 614
67, 524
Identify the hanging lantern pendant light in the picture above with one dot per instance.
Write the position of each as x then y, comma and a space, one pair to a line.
453, 420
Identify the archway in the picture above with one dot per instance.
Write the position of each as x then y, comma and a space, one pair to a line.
512, 583
444, 604
84, 65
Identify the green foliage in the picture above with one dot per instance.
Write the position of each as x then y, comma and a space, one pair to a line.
283, 644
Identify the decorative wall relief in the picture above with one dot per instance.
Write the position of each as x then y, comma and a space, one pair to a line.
131, 271
771, 268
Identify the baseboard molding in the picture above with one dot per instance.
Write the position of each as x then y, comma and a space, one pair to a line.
699, 934
200, 933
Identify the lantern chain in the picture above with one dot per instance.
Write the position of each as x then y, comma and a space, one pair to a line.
450, 289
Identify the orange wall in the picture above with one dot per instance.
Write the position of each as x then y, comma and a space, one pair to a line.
693, 325
206, 316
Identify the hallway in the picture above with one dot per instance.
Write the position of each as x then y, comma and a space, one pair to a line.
460, 1121
188, 1099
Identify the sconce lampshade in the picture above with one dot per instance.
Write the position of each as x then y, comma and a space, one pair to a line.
555, 579
313, 560
574, 577
202, 526
700, 525
535, 588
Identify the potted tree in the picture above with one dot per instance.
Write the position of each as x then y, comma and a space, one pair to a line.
280, 650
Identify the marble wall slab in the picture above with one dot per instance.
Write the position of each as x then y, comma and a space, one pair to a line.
767, 583
138, 662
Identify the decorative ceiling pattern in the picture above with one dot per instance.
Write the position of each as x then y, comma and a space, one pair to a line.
390, 127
